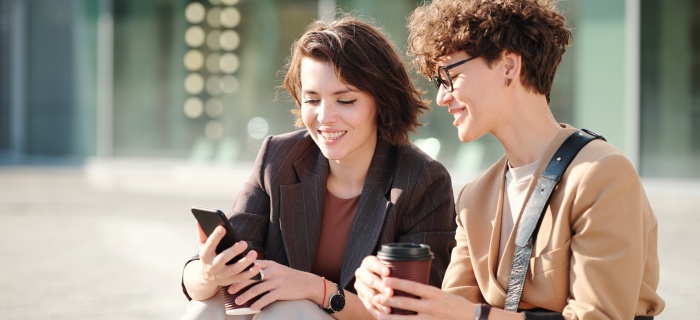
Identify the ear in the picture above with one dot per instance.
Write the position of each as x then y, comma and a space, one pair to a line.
512, 64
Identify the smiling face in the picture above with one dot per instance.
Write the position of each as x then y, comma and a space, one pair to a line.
340, 118
477, 99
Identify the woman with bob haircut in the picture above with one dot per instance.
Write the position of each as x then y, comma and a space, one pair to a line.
594, 255
322, 198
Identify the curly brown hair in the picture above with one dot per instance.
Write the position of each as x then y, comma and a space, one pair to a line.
365, 58
535, 29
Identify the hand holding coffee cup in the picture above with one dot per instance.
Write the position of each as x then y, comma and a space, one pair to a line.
409, 261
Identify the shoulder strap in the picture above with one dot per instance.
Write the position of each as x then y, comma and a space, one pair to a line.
535, 207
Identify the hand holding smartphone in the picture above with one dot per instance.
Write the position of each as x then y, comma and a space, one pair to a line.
208, 220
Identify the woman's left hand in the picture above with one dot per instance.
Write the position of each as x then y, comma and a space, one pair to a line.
433, 303
280, 283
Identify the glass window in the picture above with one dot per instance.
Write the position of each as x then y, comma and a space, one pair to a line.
670, 89
5, 47
198, 79
47, 78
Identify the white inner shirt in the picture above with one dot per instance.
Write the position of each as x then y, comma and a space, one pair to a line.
517, 181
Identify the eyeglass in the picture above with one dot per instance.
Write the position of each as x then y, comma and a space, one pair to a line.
443, 77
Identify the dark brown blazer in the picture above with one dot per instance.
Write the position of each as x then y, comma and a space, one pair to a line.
407, 197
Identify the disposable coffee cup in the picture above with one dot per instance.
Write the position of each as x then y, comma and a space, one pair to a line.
232, 308
410, 261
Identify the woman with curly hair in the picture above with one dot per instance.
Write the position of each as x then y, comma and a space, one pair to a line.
322, 198
594, 255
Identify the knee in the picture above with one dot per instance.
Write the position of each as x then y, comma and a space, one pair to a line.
293, 309
291, 306
212, 308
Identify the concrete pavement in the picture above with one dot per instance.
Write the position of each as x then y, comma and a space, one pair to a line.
107, 240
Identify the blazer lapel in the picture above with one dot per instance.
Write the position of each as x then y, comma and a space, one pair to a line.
371, 211
505, 265
484, 223
301, 210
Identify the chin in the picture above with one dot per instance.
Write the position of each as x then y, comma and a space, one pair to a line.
332, 155
465, 137
462, 136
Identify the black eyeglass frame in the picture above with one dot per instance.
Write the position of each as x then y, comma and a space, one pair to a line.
438, 80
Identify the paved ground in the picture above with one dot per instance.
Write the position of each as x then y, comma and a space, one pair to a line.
107, 241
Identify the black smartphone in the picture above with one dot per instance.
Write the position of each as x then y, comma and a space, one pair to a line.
209, 219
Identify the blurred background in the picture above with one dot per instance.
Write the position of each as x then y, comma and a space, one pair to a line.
116, 116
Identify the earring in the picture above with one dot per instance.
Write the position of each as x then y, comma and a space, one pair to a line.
508, 81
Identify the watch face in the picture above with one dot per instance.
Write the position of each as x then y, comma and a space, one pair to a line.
337, 302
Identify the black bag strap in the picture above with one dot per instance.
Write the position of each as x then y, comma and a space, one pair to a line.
535, 207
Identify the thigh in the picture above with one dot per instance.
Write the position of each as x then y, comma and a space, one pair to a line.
210, 309
293, 310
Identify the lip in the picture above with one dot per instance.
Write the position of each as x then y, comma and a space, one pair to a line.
331, 136
456, 111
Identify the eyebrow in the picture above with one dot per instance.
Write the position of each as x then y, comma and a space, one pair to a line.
336, 93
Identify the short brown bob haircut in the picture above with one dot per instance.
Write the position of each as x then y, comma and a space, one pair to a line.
366, 59
535, 29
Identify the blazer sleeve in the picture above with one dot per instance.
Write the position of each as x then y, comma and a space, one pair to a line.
460, 279
612, 223
251, 209
430, 217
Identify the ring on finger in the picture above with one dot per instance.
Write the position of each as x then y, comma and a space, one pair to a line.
260, 276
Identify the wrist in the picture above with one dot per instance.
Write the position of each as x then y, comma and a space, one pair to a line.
482, 311
336, 299
319, 290
202, 277
198, 287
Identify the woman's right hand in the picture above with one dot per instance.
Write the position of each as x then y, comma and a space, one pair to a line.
213, 266
368, 283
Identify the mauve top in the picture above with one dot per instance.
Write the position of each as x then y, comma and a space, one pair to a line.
338, 215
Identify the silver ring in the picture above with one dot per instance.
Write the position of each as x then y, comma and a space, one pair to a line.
262, 275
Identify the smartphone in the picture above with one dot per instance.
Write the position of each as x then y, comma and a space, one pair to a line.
209, 219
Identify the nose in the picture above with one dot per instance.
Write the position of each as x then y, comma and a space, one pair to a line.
325, 112
443, 97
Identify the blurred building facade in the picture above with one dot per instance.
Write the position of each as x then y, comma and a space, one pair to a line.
197, 80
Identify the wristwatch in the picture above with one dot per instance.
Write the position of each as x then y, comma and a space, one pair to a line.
336, 302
